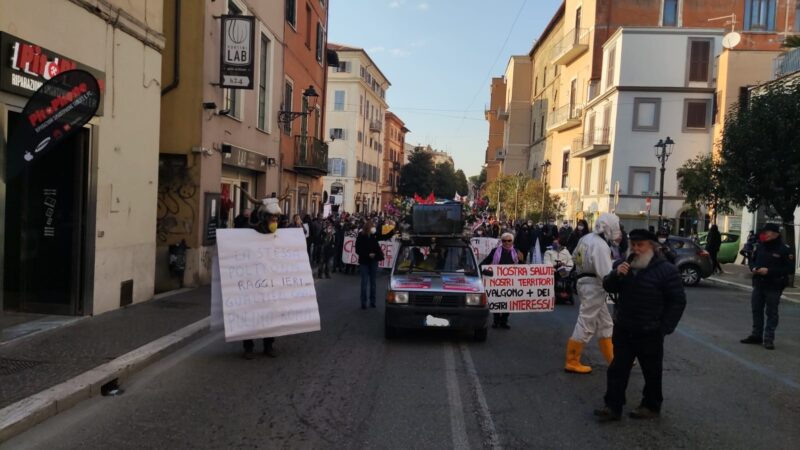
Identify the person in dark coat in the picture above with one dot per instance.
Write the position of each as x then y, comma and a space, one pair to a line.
523, 242
369, 254
339, 231
666, 250
327, 248
713, 244
771, 264
581, 230
506, 253
650, 303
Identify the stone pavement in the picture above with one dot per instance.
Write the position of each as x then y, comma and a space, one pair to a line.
738, 275
38, 362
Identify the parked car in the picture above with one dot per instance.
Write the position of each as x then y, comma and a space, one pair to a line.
692, 261
729, 248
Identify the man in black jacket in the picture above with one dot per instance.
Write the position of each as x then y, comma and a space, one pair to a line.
650, 304
772, 262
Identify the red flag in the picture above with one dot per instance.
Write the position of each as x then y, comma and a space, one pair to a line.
431, 199
417, 198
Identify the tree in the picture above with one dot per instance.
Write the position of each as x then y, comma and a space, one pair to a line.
462, 187
520, 197
444, 181
791, 41
700, 182
760, 153
417, 175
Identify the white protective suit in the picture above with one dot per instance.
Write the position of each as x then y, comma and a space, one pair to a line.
561, 255
593, 256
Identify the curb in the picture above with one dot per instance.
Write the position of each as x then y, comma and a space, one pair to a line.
28, 412
744, 287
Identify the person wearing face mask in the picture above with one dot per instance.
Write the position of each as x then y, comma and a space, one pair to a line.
664, 247
593, 261
650, 303
581, 230
772, 262
369, 254
505, 253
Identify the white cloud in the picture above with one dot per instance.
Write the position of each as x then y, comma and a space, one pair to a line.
417, 44
376, 50
397, 3
423, 6
399, 52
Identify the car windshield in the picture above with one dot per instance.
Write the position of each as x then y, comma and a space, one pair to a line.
438, 259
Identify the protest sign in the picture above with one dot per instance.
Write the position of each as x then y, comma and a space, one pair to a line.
483, 246
267, 285
389, 249
516, 288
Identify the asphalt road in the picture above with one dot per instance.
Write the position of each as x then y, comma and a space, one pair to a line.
346, 387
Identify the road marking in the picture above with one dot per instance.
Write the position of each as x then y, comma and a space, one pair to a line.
457, 428
750, 365
485, 419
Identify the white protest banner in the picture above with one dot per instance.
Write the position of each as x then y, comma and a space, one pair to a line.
389, 249
517, 288
267, 285
483, 246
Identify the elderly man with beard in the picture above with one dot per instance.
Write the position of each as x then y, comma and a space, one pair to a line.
650, 304
593, 261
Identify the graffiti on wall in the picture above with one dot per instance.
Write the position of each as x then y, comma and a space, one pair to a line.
177, 213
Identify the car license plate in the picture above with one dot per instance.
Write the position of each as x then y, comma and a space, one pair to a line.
431, 321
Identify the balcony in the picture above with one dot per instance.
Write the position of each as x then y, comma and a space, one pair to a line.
502, 114
574, 43
595, 142
376, 126
310, 156
786, 63
565, 117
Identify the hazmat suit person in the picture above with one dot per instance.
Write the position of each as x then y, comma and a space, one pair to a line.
593, 261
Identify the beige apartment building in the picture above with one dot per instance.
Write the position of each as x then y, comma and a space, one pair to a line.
516, 117
494, 146
76, 228
393, 156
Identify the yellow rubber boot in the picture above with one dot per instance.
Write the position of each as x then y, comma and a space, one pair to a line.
607, 349
574, 350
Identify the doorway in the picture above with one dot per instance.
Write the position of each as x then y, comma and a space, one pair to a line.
45, 226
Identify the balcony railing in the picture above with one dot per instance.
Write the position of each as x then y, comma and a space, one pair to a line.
376, 125
567, 116
311, 156
593, 142
786, 63
573, 44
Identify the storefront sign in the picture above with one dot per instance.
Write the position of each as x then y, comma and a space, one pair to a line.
60, 107
245, 159
212, 209
237, 64
520, 288
25, 66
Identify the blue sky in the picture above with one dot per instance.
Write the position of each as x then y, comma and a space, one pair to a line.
440, 56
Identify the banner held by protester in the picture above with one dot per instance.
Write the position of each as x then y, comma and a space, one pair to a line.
520, 288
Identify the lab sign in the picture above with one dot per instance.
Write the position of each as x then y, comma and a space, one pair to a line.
237, 64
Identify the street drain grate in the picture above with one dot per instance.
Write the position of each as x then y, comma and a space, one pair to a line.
12, 366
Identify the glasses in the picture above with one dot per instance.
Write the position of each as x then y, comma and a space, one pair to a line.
508, 240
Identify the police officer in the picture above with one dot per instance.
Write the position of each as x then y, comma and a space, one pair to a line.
771, 263
650, 304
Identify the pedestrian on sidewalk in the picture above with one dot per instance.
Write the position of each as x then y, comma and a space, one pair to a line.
650, 303
593, 261
505, 253
369, 254
713, 244
771, 264
749, 246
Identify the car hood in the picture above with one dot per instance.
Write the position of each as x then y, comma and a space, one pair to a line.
437, 283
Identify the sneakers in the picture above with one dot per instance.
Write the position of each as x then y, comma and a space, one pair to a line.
643, 413
751, 340
769, 345
606, 414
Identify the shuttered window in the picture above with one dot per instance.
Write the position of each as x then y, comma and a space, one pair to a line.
699, 60
696, 114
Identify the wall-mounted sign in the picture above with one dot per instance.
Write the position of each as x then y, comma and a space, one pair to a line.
211, 214
237, 64
25, 66
245, 159
58, 109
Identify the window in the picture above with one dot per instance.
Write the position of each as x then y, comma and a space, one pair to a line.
338, 101
291, 12
641, 180
601, 177
759, 15
541, 128
577, 26
536, 85
360, 136
610, 66
337, 133
646, 114
565, 170
573, 97
336, 166
288, 89
344, 66
699, 60
320, 42
669, 17
695, 114
587, 178
263, 83
308, 26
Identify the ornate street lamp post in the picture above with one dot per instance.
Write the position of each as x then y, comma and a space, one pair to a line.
663, 151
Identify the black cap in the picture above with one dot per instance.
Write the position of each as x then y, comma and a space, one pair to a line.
772, 227
642, 235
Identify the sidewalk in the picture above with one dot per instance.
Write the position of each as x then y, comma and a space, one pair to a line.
33, 364
738, 275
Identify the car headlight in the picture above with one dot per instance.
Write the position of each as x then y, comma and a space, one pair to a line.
476, 299
397, 297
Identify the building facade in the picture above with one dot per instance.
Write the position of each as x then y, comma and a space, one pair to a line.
76, 227
356, 106
494, 146
516, 117
393, 156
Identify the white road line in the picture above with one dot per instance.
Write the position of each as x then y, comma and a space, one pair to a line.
485, 419
457, 428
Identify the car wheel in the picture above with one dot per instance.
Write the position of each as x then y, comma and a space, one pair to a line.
480, 334
690, 274
389, 331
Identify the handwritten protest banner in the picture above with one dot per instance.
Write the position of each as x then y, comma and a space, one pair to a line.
520, 288
481, 247
389, 249
266, 283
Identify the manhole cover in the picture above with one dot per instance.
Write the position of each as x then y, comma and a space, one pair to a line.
12, 366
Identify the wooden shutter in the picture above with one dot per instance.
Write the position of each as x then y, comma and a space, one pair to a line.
699, 60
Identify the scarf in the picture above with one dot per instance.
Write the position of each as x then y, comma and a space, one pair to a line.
499, 252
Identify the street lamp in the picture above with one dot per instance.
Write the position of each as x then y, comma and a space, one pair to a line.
545, 171
663, 151
286, 117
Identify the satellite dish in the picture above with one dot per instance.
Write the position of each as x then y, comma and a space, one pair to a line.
731, 40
